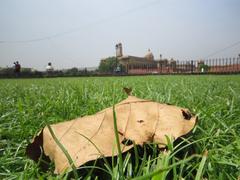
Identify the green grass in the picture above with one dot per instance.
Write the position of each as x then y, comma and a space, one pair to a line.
27, 105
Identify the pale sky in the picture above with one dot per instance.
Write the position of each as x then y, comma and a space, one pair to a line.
78, 33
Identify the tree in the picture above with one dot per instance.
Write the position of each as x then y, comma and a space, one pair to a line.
72, 72
203, 68
108, 65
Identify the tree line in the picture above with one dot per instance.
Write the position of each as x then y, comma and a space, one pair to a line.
108, 66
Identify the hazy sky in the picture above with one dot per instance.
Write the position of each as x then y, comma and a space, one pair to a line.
78, 33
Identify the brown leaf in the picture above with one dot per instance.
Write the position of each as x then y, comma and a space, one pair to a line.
138, 120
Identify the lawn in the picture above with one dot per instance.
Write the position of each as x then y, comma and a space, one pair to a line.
27, 105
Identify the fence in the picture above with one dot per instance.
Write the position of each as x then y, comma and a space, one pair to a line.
217, 66
210, 66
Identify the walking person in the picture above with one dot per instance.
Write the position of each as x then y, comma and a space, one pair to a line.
49, 69
17, 69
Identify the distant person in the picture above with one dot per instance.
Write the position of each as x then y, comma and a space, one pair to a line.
49, 68
118, 69
17, 68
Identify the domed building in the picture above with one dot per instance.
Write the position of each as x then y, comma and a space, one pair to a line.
143, 65
127, 60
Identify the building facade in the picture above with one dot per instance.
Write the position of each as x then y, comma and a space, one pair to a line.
144, 65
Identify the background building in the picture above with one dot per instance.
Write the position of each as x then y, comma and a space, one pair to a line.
144, 65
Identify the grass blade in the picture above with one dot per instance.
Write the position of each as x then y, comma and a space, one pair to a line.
64, 151
201, 166
118, 144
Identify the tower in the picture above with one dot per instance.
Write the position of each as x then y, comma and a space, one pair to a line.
119, 52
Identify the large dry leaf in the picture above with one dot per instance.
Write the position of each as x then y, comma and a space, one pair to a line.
138, 120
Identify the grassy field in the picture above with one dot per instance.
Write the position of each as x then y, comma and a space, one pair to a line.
27, 105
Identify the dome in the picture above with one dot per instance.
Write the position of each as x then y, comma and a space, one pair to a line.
149, 56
